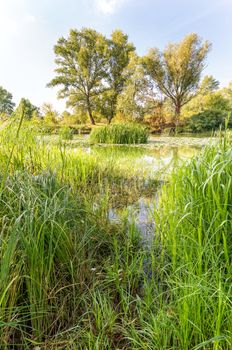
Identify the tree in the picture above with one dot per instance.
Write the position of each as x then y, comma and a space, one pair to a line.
6, 103
50, 115
25, 109
118, 57
137, 96
227, 93
177, 70
81, 67
209, 84
209, 98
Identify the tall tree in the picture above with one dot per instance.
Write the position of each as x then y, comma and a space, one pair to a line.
208, 98
137, 94
209, 84
177, 70
50, 115
25, 109
227, 93
118, 57
6, 103
81, 66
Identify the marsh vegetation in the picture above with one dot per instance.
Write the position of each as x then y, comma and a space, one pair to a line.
73, 278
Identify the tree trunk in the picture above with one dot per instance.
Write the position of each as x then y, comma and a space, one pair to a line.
89, 109
110, 118
91, 116
177, 115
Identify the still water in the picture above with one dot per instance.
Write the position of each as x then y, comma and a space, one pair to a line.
147, 162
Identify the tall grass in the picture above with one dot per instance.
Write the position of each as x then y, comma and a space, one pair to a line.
120, 134
193, 261
70, 279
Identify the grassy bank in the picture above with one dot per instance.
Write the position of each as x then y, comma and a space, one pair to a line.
70, 279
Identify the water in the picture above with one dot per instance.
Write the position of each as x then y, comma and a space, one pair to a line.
152, 161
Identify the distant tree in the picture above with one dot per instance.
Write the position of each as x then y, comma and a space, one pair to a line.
50, 115
208, 110
6, 103
207, 120
177, 70
209, 84
66, 117
81, 67
227, 93
137, 95
209, 98
25, 109
118, 57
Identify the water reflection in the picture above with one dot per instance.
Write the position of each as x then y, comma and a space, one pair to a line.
162, 159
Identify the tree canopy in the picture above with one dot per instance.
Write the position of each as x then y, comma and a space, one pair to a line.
119, 51
177, 70
6, 103
81, 67
25, 109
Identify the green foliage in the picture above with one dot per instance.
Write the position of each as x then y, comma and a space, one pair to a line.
25, 109
6, 103
208, 110
66, 133
120, 134
177, 70
50, 115
207, 120
119, 51
137, 96
80, 60
209, 84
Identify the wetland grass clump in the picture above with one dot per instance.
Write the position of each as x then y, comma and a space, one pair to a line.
120, 134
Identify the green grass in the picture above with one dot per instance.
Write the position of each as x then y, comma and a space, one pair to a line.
120, 134
70, 279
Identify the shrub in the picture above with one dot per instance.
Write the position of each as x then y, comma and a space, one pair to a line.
120, 134
207, 120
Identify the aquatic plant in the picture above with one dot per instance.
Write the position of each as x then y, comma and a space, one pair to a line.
120, 134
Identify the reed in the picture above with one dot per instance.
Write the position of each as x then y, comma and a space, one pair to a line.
120, 134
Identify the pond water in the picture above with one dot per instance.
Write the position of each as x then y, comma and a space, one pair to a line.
153, 160
147, 162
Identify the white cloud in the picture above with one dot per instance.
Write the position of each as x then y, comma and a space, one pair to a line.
109, 7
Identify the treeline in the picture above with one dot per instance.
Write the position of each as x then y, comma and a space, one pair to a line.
103, 79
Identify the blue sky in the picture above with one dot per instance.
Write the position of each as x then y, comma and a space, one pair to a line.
30, 28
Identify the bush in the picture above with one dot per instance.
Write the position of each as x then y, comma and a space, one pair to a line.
66, 133
207, 120
120, 134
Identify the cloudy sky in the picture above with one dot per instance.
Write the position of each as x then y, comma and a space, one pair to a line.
30, 28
